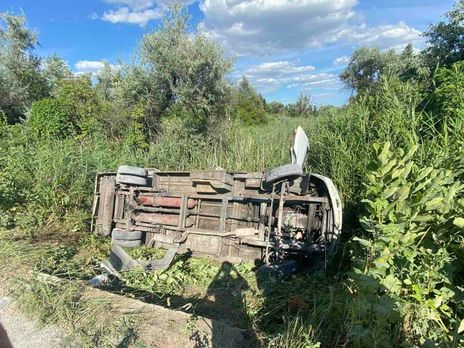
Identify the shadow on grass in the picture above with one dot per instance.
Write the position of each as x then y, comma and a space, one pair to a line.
335, 308
223, 302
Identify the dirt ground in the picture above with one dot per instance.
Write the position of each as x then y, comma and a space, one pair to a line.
161, 327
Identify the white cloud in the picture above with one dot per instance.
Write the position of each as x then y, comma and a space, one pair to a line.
266, 27
269, 76
269, 26
138, 12
280, 67
389, 36
126, 15
89, 66
339, 61
92, 67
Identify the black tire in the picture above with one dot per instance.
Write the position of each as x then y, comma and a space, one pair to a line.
134, 171
119, 234
131, 180
127, 243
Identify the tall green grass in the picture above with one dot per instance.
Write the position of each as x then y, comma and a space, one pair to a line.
45, 182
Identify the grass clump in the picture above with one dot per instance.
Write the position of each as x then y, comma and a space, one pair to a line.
92, 320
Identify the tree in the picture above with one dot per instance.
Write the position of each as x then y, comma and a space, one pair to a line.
446, 39
275, 108
248, 103
109, 80
74, 109
54, 70
410, 66
182, 69
365, 67
21, 81
302, 107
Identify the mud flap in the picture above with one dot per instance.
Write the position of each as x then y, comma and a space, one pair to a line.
121, 261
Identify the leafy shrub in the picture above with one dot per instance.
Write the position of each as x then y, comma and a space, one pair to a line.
82, 102
276, 108
74, 110
413, 224
248, 104
250, 110
50, 118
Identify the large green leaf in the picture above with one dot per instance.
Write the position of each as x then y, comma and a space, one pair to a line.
434, 204
459, 221
461, 326
392, 283
364, 242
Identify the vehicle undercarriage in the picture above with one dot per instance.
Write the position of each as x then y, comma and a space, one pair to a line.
270, 216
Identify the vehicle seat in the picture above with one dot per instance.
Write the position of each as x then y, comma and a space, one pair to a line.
298, 153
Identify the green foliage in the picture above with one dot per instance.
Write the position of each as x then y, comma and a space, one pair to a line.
302, 107
21, 81
448, 96
446, 39
184, 69
411, 246
368, 65
275, 108
80, 98
74, 110
249, 105
50, 118
365, 67
184, 273
296, 335
55, 70
341, 139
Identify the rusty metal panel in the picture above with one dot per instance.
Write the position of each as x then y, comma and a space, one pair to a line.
168, 202
105, 208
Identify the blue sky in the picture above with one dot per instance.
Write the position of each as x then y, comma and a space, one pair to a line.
284, 47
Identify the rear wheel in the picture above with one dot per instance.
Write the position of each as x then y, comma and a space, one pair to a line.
131, 180
135, 171
119, 234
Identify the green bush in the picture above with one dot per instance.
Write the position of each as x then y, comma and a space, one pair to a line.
248, 104
50, 118
251, 111
413, 226
74, 110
